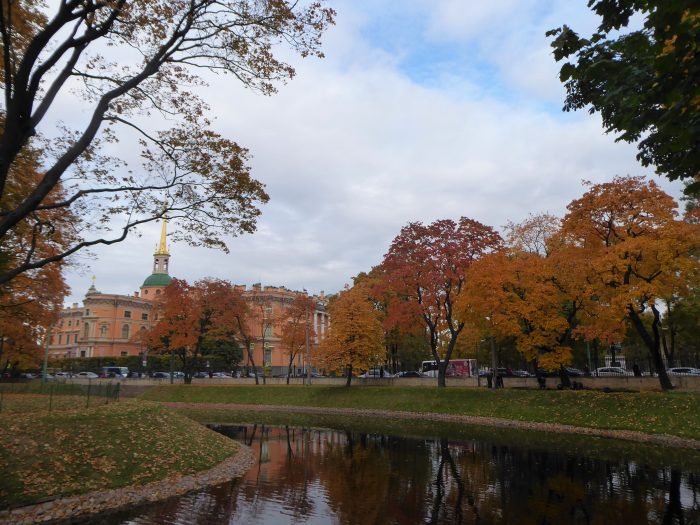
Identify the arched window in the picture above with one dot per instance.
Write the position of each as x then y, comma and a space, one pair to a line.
86, 329
103, 330
125, 331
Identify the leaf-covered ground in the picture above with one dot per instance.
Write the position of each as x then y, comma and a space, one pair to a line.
76, 450
675, 413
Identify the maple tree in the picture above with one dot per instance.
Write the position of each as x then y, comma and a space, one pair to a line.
191, 317
425, 269
644, 82
130, 63
355, 338
296, 328
631, 251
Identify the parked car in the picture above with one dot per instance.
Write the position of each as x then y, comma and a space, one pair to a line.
611, 371
63, 375
410, 373
220, 375
522, 373
49, 377
684, 371
502, 372
87, 375
376, 373
161, 375
575, 372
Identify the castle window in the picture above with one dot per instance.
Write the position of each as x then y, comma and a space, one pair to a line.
86, 329
144, 317
124, 354
70, 322
157, 292
77, 322
268, 330
60, 339
268, 356
125, 331
127, 314
103, 330
87, 311
145, 292
75, 338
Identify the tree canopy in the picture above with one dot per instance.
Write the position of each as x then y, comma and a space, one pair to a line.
134, 66
645, 82
425, 269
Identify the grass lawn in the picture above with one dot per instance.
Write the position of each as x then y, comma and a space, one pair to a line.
675, 413
75, 450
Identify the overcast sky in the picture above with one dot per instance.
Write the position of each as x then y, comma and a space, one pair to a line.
421, 110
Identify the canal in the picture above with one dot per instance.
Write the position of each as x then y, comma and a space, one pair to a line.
428, 473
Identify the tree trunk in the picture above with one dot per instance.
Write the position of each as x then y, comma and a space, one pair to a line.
289, 368
442, 373
494, 363
349, 378
653, 344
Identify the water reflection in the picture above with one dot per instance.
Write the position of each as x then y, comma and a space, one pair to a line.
326, 476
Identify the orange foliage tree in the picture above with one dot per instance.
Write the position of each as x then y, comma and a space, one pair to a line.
631, 251
30, 303
355, 338
191, 315
297, 328
426, 270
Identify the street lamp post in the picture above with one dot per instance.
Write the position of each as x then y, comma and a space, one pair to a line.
46, 355
306, 333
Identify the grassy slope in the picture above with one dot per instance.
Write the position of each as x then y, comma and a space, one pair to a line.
76, 450
676, 413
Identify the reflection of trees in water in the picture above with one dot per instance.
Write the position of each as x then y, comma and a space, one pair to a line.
367, 478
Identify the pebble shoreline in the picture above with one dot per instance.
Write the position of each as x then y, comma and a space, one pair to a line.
629, 435
98, 502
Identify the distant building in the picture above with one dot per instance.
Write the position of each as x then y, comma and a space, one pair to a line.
106, 323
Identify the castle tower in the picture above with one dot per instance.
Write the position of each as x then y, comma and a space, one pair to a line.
160, 278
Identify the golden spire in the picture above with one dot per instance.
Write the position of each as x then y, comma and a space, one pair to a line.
162, 247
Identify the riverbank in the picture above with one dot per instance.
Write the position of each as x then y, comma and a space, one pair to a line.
79, 460
674, 414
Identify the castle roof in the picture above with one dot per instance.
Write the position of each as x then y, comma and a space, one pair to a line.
157, 279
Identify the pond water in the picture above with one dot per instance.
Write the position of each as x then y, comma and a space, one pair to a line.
319, 476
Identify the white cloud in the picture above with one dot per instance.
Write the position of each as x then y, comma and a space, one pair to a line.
353, 149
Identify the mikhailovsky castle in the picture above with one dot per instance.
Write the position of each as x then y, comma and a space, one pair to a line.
105, 325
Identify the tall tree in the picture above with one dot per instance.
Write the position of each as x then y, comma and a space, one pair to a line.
296, 328
355, 339
425, 268
191, 317
129, 61
645, 82
632, 251
30, 303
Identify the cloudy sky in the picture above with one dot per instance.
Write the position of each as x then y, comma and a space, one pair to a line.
421, 110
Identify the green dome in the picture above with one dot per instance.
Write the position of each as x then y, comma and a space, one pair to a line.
157, 279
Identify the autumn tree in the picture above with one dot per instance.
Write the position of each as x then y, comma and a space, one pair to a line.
425, 268
135, 66
644, 82
30, 303
632, 251
191, 317
355, 338
296, 328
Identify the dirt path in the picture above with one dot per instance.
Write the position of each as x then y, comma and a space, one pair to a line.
630, 435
